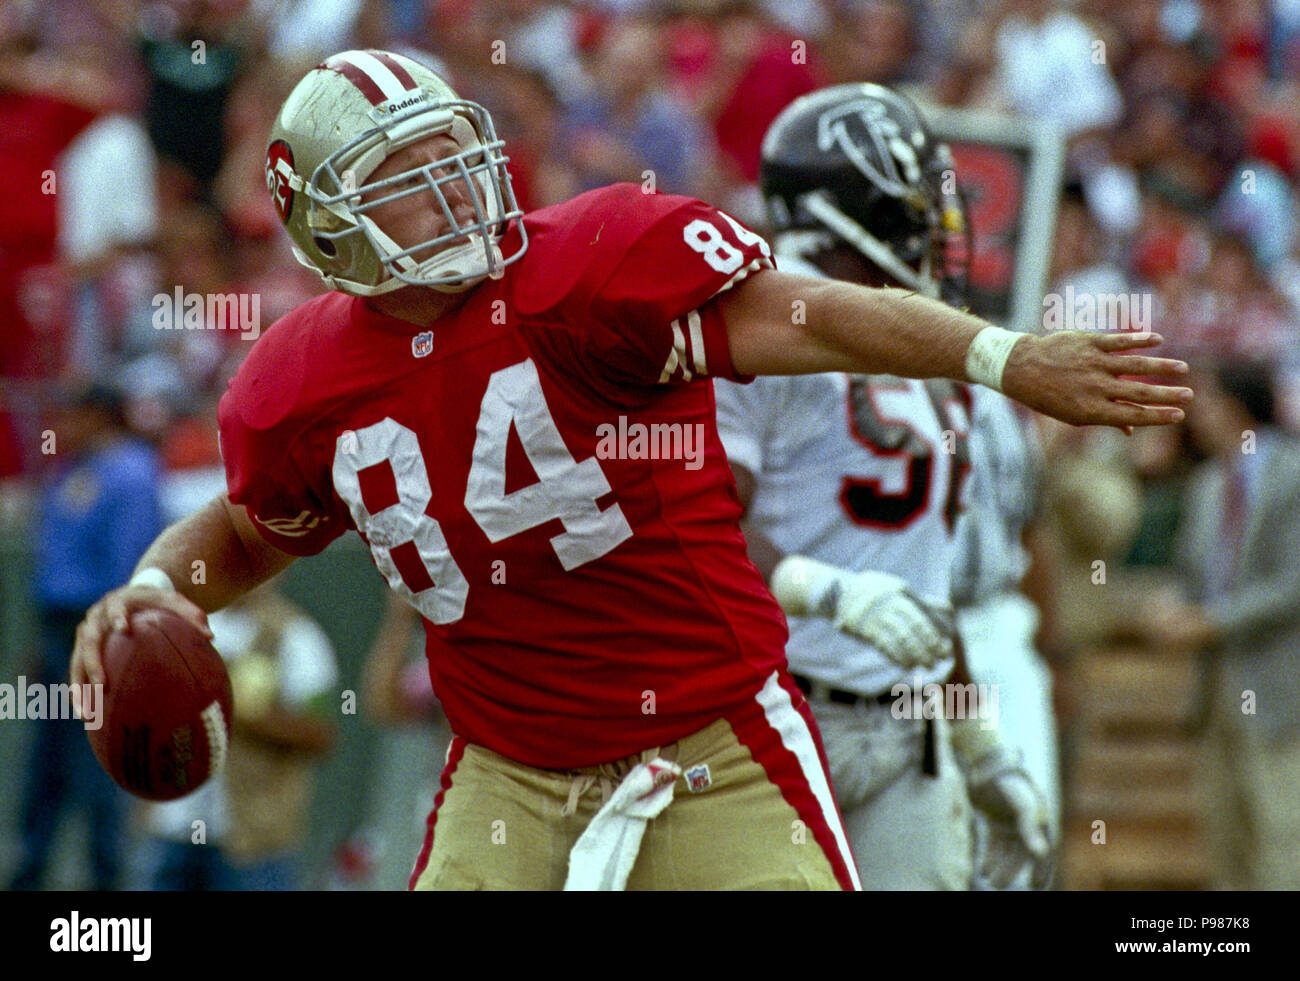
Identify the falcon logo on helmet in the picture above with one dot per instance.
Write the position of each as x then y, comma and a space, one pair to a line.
854, 164
348, 115
892, 151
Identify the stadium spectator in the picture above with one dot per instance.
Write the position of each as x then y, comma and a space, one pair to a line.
1078, 252
246, 828
869, 41
1044, 49
45, 101
396, 694
192, 53
108, 215
1162, 465
1089, 514
757, 70
98, 510
1241, 608
303, 32
628, 125
1208, 92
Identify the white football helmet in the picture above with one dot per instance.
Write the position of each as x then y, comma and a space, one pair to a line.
345, 117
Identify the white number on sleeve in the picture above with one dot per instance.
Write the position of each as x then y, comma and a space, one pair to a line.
405, 521
566, 489
745, 236
704, 237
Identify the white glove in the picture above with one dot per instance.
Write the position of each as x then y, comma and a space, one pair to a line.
873, 606
1011, 825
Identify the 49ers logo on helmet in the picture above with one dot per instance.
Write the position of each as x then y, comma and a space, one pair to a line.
277, 182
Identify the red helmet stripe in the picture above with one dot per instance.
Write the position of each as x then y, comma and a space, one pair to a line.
357, 77
394, 66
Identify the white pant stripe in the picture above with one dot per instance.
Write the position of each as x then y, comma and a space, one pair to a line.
783, 717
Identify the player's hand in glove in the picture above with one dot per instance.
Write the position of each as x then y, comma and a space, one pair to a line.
873, 606
1012, 828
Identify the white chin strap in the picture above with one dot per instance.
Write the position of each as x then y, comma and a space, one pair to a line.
471, 263
819, 206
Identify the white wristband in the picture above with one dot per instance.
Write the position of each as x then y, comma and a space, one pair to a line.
152, 576
800, 585
987, 355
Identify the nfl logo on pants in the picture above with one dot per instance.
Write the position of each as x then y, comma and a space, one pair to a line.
698, 779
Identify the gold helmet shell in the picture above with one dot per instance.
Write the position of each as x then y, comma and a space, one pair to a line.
345, 117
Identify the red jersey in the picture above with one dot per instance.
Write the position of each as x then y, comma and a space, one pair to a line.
540, 474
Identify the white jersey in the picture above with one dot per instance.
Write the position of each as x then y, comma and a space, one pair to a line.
864, 472
991, 560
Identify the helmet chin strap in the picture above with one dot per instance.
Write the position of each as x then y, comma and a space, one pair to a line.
819, 206
442, 263
348, 286
471, 258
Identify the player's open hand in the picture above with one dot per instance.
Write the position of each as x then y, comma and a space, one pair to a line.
1077, 377
113, 613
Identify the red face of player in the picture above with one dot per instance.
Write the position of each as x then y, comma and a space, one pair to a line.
418, 216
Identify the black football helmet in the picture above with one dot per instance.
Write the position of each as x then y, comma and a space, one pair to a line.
856, 162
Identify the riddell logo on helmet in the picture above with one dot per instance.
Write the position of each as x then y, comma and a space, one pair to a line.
415, 99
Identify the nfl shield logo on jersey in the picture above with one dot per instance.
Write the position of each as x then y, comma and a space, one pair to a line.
698, 778
422, 344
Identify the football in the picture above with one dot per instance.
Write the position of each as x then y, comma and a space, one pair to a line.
166, 710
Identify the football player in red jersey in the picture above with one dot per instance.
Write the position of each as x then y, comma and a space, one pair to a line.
515, 413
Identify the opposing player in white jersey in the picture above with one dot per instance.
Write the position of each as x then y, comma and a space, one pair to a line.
853, 485
995, 620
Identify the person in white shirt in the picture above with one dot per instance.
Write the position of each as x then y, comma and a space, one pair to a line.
853, 486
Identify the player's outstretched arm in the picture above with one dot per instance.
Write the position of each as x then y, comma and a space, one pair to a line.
231, 558
781, 324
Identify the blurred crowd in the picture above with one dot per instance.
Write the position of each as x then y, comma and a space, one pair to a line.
133, 137
134, 142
